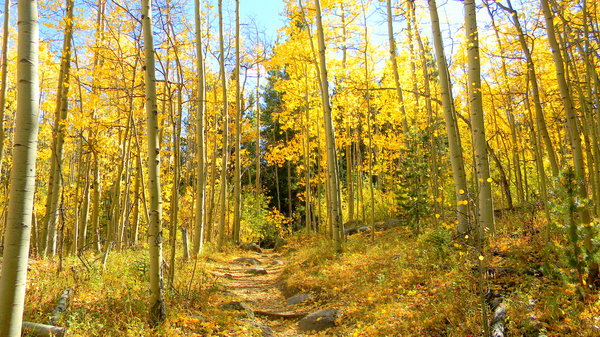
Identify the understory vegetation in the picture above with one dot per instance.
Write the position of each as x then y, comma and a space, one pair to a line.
404, 283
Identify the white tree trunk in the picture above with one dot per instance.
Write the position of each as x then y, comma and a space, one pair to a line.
335, 209
157, 304
201, 178
482, 166
22, 177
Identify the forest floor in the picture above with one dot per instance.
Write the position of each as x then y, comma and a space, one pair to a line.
404, 283
254, 286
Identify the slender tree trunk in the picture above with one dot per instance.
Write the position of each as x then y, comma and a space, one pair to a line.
573, 133
509, 114
201, 176
3, 74
136, 206
393, 58
485, 207
157, 303
539, 164
456, 155
55, 184
431, 119
289, 180
369, 125
348, 146
258, 152
307, 173
335, 210
213, 176
85, 206
237, 185
13, 277
537, 102
95, 216
176, 178
224, 159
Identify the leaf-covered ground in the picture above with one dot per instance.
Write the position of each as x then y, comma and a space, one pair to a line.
402, 284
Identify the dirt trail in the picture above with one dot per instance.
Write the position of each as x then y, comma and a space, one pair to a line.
260, 291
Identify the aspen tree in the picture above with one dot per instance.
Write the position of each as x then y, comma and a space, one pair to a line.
289, 180
348, 147
369, 124
3, 74
454, 146
258, 152
225, 157
237, 186
213, 176
540, 120
392, 45
431, 119
13, 277
60, 116
201, 108
334, 208
485, 216
93, 131
574, 139
157, 303
307, 171
510, 115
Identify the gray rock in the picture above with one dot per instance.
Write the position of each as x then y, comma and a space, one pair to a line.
238, 306
277, 262
279, 243
251, 246
381, 225
266, 331
257, 271
298, 298
353, 223
319, 320
235, 305
356, 230
248, 260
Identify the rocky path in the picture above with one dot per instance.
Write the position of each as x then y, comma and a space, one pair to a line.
252, 282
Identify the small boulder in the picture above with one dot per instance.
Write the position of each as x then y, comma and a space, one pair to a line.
353, 223
356, 230
277, 263
279, 243
319, 320
248, 261
235, 305
238, 306
251, 246
257, 271
266, 331
298, 298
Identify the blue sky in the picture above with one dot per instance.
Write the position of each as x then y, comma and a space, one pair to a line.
267, 14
